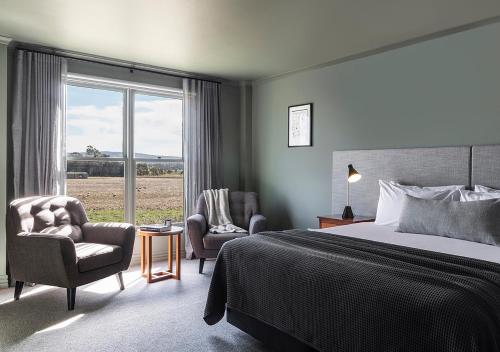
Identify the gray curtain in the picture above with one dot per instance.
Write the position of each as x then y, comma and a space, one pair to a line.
37, 124
202, 143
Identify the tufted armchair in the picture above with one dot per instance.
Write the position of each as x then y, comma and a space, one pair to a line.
244, 209
51, 242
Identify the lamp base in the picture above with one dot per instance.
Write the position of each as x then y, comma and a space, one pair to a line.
347, 214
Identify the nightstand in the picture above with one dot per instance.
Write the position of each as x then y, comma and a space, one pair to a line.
336, 220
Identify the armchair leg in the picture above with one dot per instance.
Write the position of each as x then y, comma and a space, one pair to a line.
18, 290
119, 277
71, 295
202, 263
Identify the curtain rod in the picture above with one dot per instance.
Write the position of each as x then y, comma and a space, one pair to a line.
111, 62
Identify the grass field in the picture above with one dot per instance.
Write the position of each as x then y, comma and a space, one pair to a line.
157, 198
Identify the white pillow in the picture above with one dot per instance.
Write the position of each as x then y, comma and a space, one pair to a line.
468, 196
479, 188
392, 194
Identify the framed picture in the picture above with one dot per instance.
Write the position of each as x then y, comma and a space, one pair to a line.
300, 125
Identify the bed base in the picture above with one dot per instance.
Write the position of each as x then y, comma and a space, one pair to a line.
267, 334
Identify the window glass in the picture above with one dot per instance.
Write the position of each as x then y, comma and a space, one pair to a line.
159, 193
94, 122
157, 126
100, 186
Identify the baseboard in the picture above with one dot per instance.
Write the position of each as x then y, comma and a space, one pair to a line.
4, 281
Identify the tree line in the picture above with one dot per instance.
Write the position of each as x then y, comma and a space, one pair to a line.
116, 169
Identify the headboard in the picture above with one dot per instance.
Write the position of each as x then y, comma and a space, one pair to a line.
486, 165
419, 166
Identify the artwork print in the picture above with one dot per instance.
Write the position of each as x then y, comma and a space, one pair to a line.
300, 125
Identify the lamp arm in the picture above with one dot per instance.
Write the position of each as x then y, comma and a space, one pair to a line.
348, 196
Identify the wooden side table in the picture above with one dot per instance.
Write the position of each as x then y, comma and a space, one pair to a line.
336, 220
147, 254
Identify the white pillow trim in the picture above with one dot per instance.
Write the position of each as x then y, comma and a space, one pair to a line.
470, 196
479, 188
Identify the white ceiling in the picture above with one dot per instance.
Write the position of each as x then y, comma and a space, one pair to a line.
235, 39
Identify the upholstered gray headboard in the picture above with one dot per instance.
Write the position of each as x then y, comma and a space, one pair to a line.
419, 166
486, 165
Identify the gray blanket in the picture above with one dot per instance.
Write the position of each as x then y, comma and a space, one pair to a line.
344, 294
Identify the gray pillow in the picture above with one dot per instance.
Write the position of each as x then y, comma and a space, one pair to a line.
476, 221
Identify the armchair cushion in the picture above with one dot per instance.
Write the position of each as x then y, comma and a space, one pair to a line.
93, 256
216, 240
114, 234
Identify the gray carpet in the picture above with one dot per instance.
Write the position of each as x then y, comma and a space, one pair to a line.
164, 316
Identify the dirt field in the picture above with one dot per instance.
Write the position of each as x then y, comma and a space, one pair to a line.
157, 198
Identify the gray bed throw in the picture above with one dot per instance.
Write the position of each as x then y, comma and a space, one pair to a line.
219, 216
343, 294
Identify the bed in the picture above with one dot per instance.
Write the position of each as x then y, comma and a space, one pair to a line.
365, 287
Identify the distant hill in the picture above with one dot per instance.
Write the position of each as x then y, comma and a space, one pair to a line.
76, 155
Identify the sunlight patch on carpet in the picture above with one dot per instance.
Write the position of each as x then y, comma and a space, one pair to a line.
62, 324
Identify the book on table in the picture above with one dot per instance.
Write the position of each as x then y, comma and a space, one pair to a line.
155, 228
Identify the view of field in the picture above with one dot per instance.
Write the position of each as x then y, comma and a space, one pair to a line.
157, 198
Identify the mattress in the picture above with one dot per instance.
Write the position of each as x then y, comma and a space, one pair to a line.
387, 234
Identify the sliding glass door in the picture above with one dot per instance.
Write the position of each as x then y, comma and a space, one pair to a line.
124, 150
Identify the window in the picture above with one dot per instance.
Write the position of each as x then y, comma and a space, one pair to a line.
124, 150
158, 154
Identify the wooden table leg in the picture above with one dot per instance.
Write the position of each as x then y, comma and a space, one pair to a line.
178, 256
149, 250
170, 245
143, 254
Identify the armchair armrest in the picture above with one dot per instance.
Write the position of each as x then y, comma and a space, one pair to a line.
196, 229
44, 258
258, 223
113, 233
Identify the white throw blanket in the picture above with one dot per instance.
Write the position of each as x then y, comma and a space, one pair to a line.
219, 217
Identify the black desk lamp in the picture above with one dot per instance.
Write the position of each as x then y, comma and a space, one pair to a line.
352, 176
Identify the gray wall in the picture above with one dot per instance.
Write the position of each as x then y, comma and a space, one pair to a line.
444, 91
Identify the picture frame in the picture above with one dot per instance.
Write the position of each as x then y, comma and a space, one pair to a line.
300, 125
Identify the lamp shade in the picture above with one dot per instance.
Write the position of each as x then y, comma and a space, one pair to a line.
353, 175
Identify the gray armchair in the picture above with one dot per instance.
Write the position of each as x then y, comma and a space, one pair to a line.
244, 209
51, 242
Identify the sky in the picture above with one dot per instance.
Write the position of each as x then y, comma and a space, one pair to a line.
95, 117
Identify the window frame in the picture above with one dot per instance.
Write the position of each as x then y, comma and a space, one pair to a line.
129, 90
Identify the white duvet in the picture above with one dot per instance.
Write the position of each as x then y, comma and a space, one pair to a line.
386, 234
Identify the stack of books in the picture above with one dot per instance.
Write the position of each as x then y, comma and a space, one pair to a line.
155, 228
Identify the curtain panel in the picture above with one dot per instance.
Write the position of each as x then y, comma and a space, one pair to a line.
38, 154
202, 143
